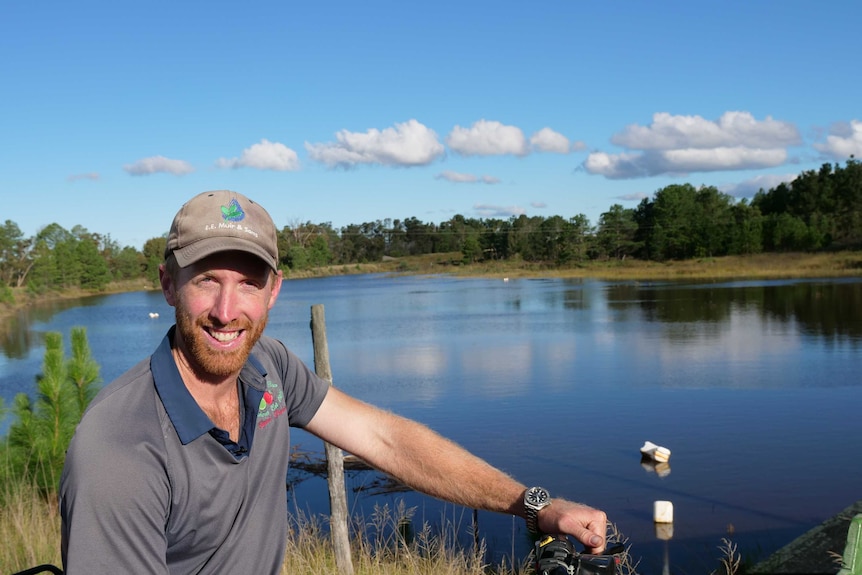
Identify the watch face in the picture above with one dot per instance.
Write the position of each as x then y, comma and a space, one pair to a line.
538, 496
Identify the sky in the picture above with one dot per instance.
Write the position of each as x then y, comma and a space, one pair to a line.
115, 113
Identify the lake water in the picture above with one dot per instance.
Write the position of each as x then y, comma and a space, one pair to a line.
754, 386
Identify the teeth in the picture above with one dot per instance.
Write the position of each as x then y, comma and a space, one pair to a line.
225, 337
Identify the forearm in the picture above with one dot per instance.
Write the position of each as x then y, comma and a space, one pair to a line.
432, 464
415, 455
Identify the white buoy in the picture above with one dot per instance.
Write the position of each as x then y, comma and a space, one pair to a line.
153, 315
663, 512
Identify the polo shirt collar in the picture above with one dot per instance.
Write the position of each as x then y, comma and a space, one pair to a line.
187, 417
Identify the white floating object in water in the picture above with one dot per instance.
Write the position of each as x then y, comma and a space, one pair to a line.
153, 315
655, 452
663, 512
661, 469
664, 532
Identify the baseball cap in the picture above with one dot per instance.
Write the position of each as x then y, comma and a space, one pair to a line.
219, 221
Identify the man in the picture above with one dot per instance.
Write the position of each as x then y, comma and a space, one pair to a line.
179, 465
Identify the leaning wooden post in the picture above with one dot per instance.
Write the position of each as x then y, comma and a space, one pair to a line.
334, 456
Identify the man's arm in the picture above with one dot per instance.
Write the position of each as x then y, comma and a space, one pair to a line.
432, 464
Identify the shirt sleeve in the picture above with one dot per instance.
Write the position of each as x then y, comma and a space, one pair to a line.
303, 389
114, 496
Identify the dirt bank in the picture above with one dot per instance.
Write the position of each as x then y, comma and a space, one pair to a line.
817, 551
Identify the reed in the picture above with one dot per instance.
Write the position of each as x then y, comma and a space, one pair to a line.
29, 528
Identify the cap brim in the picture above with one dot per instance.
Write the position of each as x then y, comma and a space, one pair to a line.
209, 246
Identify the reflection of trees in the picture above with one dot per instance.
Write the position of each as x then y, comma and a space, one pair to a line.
682, 304
831, 310
17, 335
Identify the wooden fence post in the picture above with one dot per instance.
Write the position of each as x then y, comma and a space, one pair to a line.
338, 515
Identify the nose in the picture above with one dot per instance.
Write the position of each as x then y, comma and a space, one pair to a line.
224, 309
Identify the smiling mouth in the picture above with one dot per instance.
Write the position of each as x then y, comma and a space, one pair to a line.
224, 336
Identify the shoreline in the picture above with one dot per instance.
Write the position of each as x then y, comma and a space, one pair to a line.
773, 266
818, 550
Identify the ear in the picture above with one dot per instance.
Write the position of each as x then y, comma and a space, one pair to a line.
168, 287
276, 288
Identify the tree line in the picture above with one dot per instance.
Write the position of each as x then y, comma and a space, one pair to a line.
820, 209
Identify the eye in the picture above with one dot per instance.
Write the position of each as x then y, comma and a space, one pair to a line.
252, 284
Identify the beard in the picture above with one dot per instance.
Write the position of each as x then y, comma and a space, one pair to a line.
209, 362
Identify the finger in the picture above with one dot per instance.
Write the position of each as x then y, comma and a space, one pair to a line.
593, 542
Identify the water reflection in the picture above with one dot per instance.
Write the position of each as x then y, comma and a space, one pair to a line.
830, 310
562, 381
17, 335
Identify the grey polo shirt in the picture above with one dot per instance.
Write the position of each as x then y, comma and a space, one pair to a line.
151, 486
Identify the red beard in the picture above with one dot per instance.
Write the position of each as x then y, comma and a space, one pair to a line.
211, 362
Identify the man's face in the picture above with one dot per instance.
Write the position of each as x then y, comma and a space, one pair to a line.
222, 304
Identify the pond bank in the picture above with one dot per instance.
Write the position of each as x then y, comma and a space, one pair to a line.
817, 551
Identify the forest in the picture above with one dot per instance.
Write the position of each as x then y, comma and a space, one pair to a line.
819, 210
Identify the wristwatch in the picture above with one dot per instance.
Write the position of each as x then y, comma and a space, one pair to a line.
535, 498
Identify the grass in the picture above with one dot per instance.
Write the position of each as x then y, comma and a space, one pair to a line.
387, 543
29, 528
760, 266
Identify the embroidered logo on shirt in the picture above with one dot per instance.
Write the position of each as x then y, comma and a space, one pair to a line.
272, 405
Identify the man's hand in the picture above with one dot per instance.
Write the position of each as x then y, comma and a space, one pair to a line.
584, 523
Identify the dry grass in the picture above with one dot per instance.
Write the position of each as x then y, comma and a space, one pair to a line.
730, 557
390, 543
30, 536
761, 266
29, 529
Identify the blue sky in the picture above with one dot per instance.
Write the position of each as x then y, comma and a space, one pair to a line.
114, 113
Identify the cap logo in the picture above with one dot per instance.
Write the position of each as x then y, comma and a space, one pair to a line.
232, 212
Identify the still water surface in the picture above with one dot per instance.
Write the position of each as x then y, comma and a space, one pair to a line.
754, 386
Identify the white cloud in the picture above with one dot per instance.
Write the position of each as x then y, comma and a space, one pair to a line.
684, 144
264, 155
616, 166
733, 129
653, 163
723, 158
749, 187
461, 178
158, 164
406, 144
487, 138
492, 211
547, 140
844, 140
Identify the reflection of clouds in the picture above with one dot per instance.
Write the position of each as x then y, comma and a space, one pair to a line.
412, 370
743, 338
510, 368
743, 348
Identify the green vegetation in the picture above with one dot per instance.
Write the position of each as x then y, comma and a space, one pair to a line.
819, 210
35, 447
